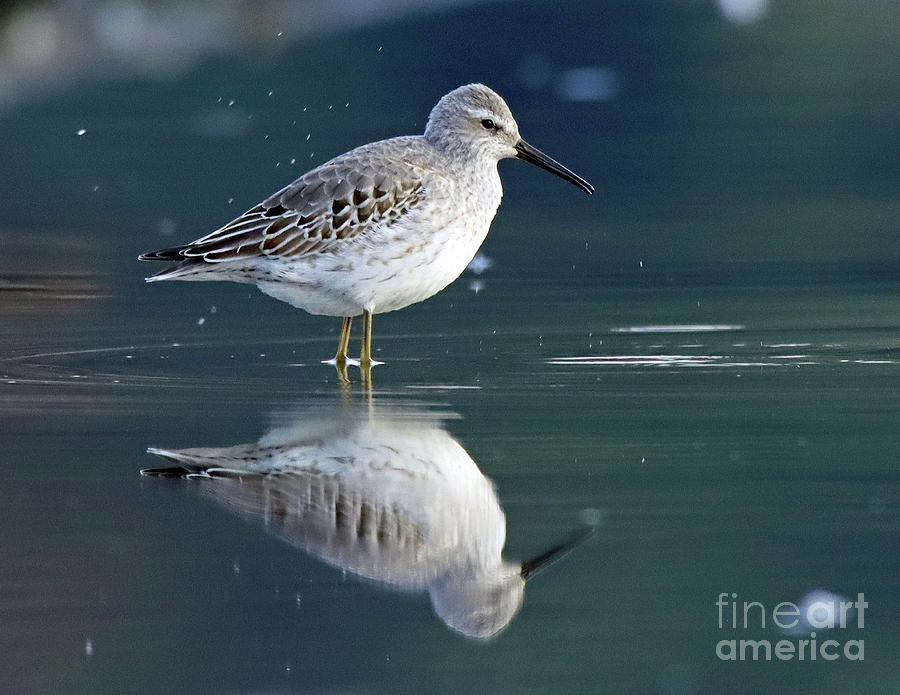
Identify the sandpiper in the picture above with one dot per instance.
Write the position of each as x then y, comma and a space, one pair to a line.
378, 228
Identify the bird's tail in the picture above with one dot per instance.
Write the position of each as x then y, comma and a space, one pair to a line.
185, 268
176, 253
199, 463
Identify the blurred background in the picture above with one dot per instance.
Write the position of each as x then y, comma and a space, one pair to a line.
729, 140
704, 353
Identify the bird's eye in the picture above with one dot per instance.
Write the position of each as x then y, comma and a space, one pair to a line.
489, 124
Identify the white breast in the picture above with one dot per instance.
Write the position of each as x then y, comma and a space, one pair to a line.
392, 267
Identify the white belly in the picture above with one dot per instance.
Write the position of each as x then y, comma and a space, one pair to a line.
400, 265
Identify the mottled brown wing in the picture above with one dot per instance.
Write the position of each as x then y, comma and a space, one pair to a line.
330, 204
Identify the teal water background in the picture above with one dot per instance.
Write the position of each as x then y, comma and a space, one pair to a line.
702, 359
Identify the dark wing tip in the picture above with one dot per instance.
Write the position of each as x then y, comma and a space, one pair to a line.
170, 472
173, 254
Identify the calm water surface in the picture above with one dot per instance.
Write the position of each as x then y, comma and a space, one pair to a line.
740, 440
695, 372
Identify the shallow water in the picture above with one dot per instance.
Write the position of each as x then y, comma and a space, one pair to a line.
716, 439
693, 374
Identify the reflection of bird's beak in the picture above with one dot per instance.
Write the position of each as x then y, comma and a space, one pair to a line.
535, 156
557, 552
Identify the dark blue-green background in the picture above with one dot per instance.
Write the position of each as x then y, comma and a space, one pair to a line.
747, 179
724, 144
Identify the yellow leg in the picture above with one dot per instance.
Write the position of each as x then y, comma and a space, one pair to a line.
365, 353
341, 357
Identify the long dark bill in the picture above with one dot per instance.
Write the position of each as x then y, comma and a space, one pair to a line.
535, 156
557, 552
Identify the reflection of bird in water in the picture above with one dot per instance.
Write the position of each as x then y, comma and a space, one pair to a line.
395, 500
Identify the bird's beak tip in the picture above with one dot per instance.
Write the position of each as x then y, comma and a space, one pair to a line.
533, 155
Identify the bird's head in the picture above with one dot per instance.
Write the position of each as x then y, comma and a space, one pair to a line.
474, 120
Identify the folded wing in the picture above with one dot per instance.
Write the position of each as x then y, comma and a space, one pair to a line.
330, 205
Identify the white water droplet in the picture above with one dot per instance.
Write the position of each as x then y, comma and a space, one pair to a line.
743, 11
80, 131
591, 516
479, 263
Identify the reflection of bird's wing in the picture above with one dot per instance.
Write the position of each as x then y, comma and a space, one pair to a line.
339, 525
367, 188
397, 503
